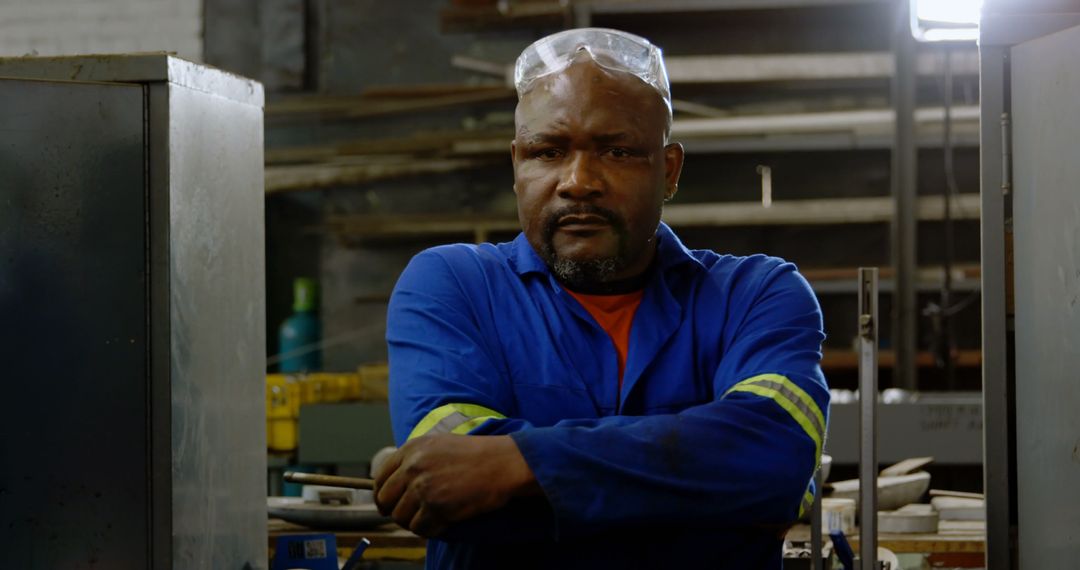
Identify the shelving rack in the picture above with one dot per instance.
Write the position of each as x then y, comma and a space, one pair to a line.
754, 104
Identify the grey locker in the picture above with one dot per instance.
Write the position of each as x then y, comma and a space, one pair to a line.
132, 312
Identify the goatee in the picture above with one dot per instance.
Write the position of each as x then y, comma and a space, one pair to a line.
584, 274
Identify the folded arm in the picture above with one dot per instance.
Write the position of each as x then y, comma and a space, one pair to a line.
746, 456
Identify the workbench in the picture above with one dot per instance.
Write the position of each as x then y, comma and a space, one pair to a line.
388, 542
391, 542
951, 549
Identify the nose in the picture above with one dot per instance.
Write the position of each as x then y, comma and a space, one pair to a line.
579, 179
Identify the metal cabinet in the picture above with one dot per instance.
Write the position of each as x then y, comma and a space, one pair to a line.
132, 315
1031, 286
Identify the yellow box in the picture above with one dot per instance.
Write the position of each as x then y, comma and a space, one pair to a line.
353, 389
374, 382
282, 434
311, 389
277, 397
293, 389
328, 387
282, 411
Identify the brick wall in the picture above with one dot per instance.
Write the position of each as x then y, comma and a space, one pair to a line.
54, 27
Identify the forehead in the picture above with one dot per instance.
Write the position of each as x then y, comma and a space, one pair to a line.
588, 98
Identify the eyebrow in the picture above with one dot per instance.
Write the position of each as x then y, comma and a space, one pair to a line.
541, 138
616, 137
606, 138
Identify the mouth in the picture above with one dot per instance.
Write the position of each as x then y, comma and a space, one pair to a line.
582, 223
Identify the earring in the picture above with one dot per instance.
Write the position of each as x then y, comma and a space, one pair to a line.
671, 194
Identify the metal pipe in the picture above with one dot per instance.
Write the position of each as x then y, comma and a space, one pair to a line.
948, 329
329, 480
904, 191
815, 524
868, 382
999, 455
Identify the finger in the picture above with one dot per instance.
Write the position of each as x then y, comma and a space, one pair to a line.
389, 492
426, 524
388, 468
406, 508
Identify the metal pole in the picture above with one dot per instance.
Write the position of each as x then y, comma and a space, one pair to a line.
904, 182
999, 453
868, 382
815, 524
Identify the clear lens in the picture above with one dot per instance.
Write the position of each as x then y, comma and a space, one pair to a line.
612, 49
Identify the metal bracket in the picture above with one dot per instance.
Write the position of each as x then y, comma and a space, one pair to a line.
868, 382
1006, 154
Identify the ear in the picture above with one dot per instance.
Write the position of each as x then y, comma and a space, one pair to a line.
673, 161
514, 161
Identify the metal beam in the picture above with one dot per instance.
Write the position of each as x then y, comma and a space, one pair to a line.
999, 463
714, 214
864, 120
904, 192
808, 66
769, 67
868, 396
668, 6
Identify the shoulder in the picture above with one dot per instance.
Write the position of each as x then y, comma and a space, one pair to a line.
460, 263
745, 280
735, 271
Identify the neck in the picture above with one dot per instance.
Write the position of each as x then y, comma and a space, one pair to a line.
615, 286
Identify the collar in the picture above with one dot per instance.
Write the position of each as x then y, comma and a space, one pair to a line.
670, 252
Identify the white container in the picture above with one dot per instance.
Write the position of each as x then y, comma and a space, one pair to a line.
837, 514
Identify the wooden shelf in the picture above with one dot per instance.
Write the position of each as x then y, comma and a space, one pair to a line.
844, 361
715, 214
772, 68
386, 102
966, 277
517, 15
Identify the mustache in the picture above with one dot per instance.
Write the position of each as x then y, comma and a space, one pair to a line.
551, 222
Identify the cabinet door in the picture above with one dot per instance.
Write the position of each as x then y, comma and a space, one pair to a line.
1046, 214
73, 357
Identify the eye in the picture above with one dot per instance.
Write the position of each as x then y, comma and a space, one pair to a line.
547, 153
621, 153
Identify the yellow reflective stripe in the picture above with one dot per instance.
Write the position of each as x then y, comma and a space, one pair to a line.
790, 407
793, 399
807, 503
799, 393
469, 425
454, 418
429, 421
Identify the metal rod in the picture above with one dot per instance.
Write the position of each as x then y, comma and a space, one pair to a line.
999, 459
868, 391
766, 185
948, 330
815, 524
329, 480
904, 180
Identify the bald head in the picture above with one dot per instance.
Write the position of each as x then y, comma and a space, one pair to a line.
586, 89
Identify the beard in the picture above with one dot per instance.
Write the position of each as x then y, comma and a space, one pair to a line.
584, 273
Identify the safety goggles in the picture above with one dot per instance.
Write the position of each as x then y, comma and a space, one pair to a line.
611, 49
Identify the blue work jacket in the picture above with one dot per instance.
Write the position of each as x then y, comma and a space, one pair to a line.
701, 460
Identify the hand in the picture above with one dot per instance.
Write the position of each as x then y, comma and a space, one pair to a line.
436, 480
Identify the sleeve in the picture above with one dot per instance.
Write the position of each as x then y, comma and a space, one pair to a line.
745, 458
445, 377
445, 374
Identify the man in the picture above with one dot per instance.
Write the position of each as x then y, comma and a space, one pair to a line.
593, 394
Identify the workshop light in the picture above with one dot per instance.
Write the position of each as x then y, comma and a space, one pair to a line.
945, 20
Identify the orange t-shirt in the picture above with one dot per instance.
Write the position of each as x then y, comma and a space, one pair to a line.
614, 314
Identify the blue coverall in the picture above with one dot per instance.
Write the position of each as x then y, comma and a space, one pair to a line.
701, 460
